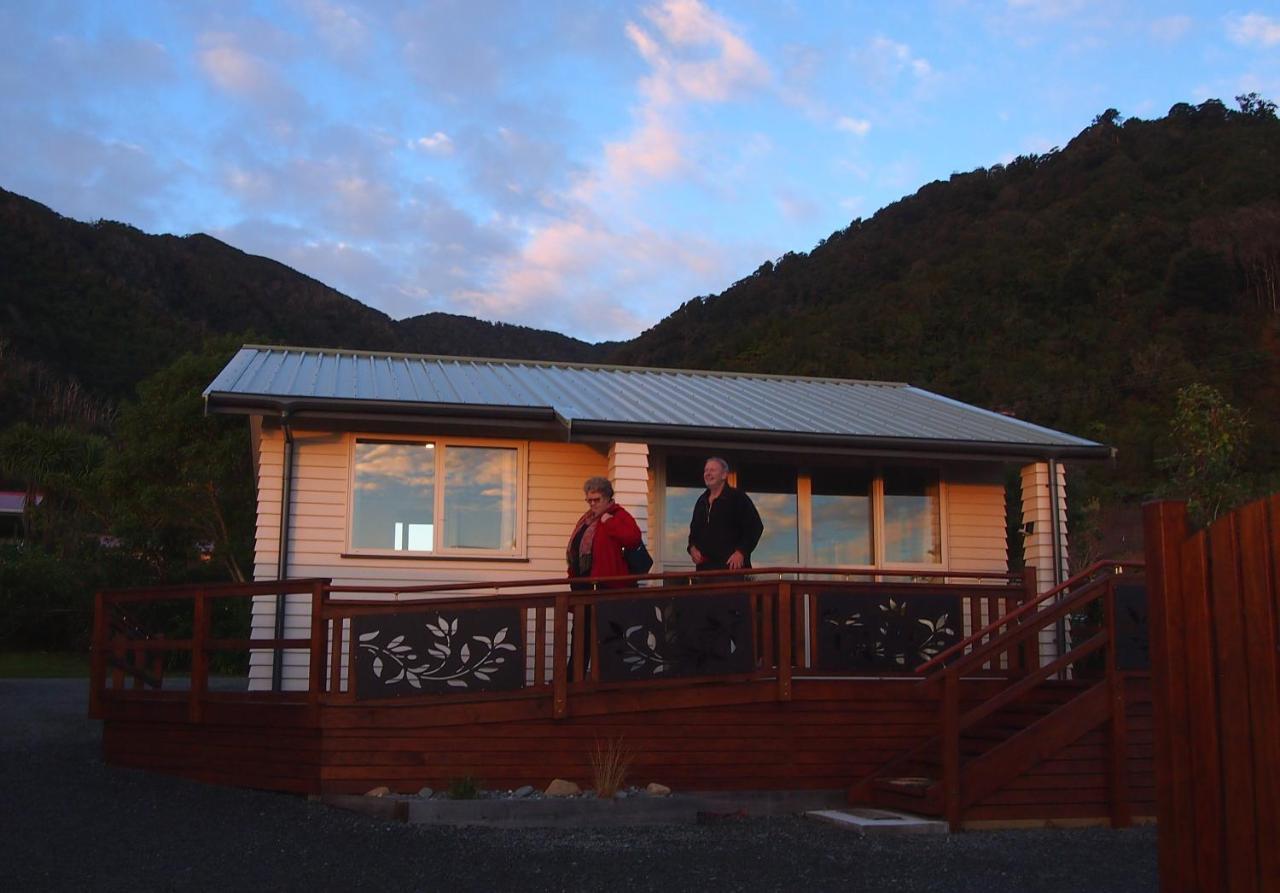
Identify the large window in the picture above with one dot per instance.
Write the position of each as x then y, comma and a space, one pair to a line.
438, 498
820, 515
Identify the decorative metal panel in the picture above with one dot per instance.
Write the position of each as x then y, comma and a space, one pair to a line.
866, 630
477, 649
697, 635
1133, 642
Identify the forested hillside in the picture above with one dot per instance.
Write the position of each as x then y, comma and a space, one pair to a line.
107, 304
1079, 289
1125, 288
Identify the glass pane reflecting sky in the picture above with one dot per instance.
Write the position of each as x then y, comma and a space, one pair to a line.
841, 516
912, 516
479, 498
675, 523
394, 491
778, 545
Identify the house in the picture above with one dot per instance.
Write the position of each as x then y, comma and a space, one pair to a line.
385, 469
411, 622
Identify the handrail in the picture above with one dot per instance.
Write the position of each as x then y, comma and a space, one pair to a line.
713, 576
1017, 634
1021, 610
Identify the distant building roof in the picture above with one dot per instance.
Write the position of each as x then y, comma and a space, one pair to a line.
624, 401
14, 502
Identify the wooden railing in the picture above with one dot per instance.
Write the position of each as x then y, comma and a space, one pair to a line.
537, 639
1014, 640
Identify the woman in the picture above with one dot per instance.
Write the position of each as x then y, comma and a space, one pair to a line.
595, 547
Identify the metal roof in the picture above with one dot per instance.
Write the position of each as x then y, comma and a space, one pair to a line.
623, 400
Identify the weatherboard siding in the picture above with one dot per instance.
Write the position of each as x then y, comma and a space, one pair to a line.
319, 525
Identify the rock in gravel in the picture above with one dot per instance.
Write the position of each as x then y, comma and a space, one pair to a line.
657, 790
425, 792
380, 791
523, 791
561, 788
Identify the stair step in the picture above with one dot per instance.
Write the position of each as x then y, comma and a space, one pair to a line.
909, 785
864, 821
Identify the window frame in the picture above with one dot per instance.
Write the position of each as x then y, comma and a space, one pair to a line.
442, 445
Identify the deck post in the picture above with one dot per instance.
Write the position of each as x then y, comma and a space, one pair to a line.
199, 658
950, 710
560, 656
319, 626
1118, 731
98, 656
783, 607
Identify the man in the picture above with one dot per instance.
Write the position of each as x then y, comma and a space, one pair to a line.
725, 526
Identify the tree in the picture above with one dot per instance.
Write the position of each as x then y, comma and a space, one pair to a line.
1210, 437
180, 483
1254, 105
58, 468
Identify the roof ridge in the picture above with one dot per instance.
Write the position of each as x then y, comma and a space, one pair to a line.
570, 364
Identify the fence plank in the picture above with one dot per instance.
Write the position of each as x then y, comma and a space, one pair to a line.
1239, 857
1259, 567
1201, 709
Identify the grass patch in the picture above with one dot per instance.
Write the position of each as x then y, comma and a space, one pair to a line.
43, 665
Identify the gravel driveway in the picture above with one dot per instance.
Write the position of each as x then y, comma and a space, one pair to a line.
67, 822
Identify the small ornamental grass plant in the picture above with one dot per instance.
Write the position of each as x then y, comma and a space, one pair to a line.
610, 761
464, 788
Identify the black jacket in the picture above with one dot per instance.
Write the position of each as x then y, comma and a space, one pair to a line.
719, 528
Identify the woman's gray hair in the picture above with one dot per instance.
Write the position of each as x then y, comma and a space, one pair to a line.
598, 485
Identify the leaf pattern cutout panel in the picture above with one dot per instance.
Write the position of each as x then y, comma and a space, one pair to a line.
657, 638
476, 649
885, 634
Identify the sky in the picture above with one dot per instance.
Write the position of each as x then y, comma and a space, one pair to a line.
575, 166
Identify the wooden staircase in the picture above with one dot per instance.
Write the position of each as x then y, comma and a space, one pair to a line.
986, 741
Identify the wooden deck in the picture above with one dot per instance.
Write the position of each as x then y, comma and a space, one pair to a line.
793, 679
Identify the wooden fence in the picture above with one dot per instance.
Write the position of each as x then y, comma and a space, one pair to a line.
1214, 609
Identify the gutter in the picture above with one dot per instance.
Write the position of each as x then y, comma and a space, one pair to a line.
282, 557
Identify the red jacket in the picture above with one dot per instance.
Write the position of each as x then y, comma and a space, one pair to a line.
612, 536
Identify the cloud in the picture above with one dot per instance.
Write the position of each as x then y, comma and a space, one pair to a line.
1170, 29
856, 126
701, 58
884, 62
437, 143
1253, 29
340, 27
246, 74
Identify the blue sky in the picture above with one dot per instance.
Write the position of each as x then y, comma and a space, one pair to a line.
583, 167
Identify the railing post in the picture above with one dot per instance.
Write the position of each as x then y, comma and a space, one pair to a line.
1030, 651
1118, 737
98, 656
319, 628
560, 656
950, 737
199, 658
783, 607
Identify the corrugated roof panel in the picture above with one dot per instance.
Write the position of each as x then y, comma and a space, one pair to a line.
603, 395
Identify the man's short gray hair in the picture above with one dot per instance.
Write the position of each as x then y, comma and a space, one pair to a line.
724, 463
598, 485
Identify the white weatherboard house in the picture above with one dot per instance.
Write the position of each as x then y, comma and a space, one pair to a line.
379, 469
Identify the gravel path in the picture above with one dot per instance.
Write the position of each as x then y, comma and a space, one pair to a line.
67, 822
